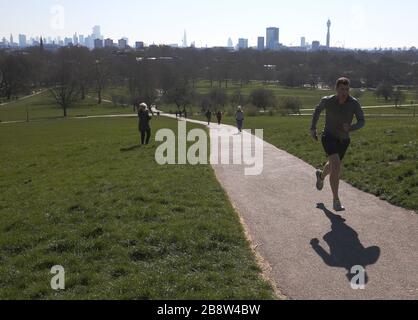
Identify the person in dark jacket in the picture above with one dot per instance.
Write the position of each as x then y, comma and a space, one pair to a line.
219, 116
144, 123
209, 116
239, 116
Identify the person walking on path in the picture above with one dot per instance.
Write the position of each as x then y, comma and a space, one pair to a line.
209, 116
340, 111
239, 116
144, 123
219, 117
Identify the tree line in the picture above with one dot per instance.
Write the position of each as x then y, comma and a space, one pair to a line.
171, 74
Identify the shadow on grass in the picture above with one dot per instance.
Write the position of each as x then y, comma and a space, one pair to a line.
131, 148
346, 250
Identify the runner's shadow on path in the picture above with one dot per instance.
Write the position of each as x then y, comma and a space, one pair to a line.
346, 250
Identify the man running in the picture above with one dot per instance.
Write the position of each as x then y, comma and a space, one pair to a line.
340, 111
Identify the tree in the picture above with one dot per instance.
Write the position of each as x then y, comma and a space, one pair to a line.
142, 83
204, 103
65, 85
238, 99
399, 97
218, 98
291, 105
263, 98
384, 90
15, 71
85, 71
101, 72
181, 94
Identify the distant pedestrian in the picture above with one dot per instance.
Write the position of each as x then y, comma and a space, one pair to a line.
239, 116
144, 123
219, 116
209, 116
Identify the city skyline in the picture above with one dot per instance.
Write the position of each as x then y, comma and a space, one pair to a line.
97, 40
212, 24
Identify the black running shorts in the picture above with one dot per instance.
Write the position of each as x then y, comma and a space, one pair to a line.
333, 145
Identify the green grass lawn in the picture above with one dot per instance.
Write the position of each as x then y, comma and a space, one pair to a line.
81, 194
382, 159
309, 98
43, 107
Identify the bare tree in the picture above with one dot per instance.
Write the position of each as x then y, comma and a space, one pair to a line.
65, 88
384, 90
263, 98
181, 94
15, 75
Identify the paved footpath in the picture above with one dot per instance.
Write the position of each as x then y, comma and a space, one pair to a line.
309, 248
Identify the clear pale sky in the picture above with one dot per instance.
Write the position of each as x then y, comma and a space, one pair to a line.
359, 24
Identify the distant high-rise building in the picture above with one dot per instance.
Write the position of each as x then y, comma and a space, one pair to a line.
260, 43
303, 42
122, 43
185, 39
329, 33
75, 39
96, 33
98, 43
81, 40
272, 39
22, 41
108, 43
68, 42
11, 40
230, 43
242, 43
139, 45
89, 42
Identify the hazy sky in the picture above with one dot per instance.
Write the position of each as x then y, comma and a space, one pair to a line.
355, 23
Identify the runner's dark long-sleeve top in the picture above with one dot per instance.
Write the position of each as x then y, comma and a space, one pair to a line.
144, 119
337, 115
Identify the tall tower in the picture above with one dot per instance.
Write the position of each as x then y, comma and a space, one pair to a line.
329, 33
185, 39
